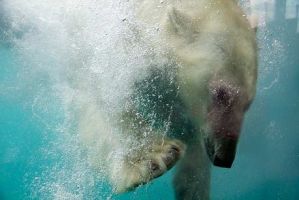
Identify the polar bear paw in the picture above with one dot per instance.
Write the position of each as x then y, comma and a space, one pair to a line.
151, 164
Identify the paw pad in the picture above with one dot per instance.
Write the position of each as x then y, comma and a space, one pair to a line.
154, 169
171, 156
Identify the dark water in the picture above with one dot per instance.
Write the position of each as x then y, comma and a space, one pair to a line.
32, 166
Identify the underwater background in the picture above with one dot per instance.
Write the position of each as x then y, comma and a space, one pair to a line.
39, 161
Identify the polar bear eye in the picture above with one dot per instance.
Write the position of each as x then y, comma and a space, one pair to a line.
221, 96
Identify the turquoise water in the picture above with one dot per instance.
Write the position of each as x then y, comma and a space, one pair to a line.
38, 161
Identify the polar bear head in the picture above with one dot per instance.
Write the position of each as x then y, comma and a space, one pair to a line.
217, 74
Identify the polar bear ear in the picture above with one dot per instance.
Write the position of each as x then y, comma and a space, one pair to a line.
253, 21
180, 23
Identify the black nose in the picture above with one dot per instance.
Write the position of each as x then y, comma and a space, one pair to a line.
221, 151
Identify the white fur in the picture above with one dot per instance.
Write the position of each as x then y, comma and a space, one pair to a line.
207, 40
106, 55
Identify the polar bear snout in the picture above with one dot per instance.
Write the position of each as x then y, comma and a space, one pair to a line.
222, 137
221, 151
224, 121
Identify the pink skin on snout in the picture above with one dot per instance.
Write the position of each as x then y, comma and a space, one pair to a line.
225, 113
224, 120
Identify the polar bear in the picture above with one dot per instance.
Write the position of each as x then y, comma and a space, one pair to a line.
189, 110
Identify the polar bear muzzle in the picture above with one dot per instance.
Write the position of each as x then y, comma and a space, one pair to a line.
221, 151
224, 120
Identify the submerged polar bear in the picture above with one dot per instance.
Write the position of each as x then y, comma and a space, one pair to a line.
189, 110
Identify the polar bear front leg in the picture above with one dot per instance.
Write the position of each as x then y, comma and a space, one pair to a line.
146, 163
192, 178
